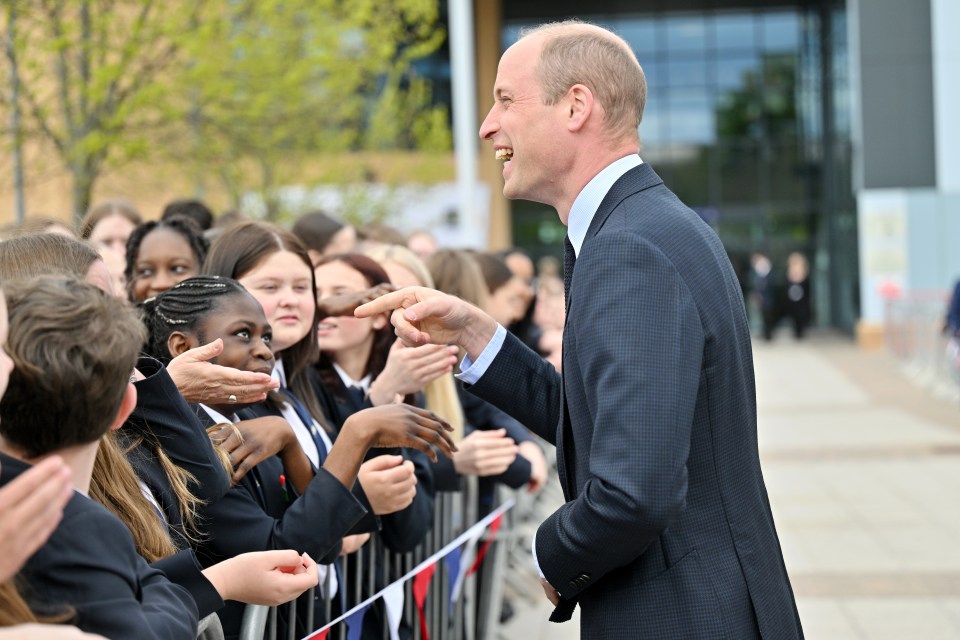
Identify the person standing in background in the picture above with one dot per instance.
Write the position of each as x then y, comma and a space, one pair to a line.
798, 293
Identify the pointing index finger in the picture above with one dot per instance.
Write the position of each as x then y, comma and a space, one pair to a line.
383, 304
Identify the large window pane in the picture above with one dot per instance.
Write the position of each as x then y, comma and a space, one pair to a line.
685, 35
685, 73
781, 32
734, 31
736, 72
640, 34
691, 121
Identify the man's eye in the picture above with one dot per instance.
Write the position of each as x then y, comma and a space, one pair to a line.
243, 333
178, 269
143, 273
267, 339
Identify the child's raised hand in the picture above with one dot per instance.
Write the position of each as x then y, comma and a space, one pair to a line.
400, 425
389, 482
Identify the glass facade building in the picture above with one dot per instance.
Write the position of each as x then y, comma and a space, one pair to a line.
747, 121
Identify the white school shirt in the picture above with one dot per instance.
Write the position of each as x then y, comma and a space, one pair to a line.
302, 431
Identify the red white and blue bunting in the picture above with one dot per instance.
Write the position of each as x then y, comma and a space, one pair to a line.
461, 559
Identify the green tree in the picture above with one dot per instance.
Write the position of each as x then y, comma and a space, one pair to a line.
92, 78
273, 80
224, 85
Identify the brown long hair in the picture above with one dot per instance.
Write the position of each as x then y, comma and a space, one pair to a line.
114, 485
239, 250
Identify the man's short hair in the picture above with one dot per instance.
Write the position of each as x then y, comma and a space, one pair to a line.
578, 53
73, 349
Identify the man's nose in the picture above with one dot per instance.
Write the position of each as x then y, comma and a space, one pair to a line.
490, 125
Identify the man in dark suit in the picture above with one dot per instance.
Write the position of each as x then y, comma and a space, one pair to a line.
667, 531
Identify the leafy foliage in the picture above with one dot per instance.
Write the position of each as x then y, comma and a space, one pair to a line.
227, 88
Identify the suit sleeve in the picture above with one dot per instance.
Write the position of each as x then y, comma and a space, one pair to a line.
639, 345
481, 414
164, 415
93, 567
525, 386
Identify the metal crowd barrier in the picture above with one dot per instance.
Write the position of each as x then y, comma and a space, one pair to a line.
454, 512
913, 332
475, 615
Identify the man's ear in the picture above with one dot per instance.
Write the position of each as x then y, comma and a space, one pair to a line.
127, 405
179, 343
581, 104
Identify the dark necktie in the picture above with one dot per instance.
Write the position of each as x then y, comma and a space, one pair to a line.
569, 258
357, 397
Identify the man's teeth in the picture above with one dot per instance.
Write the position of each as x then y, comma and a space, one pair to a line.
504, 154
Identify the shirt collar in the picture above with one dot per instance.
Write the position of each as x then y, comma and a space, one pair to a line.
279, 374
587, 203
217, 417
363, 383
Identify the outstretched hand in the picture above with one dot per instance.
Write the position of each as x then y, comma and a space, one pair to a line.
263, 577
400, 425
422, 316
200, 381
485, 453
410, 369
387, 426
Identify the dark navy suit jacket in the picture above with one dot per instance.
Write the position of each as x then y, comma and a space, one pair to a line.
667, 531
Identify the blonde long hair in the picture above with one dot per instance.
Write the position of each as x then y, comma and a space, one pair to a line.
441, 394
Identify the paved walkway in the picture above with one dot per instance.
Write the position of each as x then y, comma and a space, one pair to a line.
863, 472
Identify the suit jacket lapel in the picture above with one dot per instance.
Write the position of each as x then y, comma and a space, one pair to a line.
633, 181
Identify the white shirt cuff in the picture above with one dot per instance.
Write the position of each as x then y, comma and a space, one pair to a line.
470, 371
533, 548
